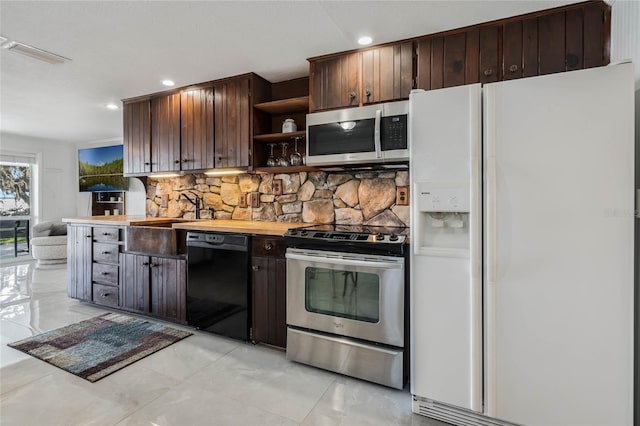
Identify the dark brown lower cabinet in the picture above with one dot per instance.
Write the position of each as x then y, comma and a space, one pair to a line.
269, 275
154, 285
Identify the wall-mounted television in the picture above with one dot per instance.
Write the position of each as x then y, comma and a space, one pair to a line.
101, 169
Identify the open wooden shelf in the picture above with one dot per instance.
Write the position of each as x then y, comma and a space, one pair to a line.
284, 106
275, 137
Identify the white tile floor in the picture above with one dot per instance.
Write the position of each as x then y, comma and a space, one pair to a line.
202, 380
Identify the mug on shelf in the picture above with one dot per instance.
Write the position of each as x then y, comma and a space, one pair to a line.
107, 212
289, 126
112, 199
116, 212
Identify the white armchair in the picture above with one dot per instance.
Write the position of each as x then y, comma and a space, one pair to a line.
49, 244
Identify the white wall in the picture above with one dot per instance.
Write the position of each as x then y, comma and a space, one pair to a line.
625, 33
57, 180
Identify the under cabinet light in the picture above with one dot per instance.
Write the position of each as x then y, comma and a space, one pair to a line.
225, 172
163, 175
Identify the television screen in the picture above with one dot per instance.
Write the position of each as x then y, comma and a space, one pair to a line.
101, 169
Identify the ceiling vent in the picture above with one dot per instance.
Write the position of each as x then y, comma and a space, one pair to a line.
32, 52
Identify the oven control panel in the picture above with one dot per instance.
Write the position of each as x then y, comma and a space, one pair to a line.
364, 238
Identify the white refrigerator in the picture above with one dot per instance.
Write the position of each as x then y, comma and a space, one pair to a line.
522, 250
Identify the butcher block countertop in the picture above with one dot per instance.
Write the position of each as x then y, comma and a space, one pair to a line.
119, 220
211, 225
241, 226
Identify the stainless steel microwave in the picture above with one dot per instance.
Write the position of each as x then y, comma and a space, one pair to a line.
369, 134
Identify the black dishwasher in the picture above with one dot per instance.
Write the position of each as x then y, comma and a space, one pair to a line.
218, 283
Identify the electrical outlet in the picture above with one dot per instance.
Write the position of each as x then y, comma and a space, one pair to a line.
242, 200
277, 186
254, 199
402, 196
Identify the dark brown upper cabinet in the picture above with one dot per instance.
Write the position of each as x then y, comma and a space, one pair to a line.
137, 137
379, 74
387, 73
198, 139
233, 124
165, 133
334, 82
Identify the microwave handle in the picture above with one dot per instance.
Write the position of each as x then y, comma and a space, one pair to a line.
376, 134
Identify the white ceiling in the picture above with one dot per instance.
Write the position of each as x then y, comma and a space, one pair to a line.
121, 49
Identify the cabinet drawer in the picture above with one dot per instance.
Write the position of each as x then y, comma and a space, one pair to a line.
105, 273
105, 295
105, 253
268, 246
101, 233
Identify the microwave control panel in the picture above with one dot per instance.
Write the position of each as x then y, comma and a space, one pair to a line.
393, 132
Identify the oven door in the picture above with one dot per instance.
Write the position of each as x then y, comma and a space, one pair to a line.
355, 295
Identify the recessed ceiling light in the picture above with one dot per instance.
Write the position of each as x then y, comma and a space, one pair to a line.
168, 83
113, 106
365, 40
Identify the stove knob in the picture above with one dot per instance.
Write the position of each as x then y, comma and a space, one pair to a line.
393, 237
293, 231
379, 237
303, 233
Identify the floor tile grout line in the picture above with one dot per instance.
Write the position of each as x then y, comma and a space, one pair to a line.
319, 399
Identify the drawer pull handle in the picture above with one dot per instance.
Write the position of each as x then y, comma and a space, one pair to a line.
106, 233
255, 267
106, 252
488, 72
106, 294
268, 246
513, 68
104, 273
145, 263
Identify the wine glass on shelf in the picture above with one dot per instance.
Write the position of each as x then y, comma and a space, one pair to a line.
271, 161
295, 158
283, 161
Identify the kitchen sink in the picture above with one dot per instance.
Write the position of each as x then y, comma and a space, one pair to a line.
155, 239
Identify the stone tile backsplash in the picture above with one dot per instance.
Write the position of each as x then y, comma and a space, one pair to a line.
320, 197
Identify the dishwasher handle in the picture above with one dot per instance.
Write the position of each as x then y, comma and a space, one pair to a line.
218, 241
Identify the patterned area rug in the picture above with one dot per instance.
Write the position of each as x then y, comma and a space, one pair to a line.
94, 348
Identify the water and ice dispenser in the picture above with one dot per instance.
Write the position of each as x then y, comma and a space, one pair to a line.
442, 215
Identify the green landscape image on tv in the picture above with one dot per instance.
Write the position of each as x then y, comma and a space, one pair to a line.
101, 169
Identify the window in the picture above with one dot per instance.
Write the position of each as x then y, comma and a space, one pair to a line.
16, 203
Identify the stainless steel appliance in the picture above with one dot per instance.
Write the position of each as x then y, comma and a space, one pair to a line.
370, 134
218, 283
346, 300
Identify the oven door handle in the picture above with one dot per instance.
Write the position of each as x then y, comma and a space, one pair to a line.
369, 263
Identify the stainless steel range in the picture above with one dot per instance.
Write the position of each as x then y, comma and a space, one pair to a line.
346, 300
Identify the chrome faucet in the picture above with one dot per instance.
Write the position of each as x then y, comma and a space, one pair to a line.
195, 201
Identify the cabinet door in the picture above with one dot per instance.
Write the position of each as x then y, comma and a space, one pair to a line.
137, 137
596, 35
233, 125
168, 297
134, 282
79, 262
512, 50
551, 43
454, 59
489, 69
269, 300
530, 47
165, 133
334, 82
260, 299
198, 150
387, 73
